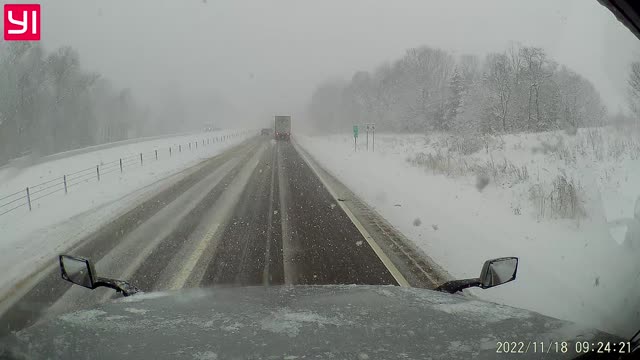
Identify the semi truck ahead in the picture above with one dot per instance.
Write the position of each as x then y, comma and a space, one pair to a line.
283, 128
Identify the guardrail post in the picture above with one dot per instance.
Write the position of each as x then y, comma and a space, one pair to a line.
179, 148
196, 144
64, 179
140, 159
156, 154
28, 198
98, 171
189, 145
169, 151
120, 164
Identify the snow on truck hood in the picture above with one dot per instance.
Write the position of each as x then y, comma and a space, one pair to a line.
292, 322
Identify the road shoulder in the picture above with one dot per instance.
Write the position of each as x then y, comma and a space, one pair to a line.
416, 267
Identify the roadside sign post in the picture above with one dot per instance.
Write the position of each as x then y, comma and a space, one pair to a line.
367, 130
355, 137
371, 128
373, 137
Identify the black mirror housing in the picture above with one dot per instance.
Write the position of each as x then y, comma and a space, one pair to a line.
498, 271
78, 271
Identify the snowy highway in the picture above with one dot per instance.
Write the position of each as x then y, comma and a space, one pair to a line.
257, 214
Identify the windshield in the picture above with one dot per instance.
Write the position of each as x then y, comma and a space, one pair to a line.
205, 143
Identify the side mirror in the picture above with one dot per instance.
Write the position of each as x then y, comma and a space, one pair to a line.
78, 271
498, 271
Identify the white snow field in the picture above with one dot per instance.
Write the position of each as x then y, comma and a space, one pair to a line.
30, 238
548, 198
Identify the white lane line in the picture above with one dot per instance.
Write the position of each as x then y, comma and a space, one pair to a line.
181, 278
125, 258
267, 253
376, 248
289, 268
219, 215
161, 225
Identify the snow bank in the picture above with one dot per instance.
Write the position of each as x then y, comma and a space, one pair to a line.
476, 203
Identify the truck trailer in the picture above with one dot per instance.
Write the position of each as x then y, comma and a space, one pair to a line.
283, 127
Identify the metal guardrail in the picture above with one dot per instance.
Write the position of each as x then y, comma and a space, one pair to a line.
30, 194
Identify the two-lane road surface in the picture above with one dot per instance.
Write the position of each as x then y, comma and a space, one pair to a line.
255, 215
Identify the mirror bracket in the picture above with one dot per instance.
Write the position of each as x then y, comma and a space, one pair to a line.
454, 286
118, 285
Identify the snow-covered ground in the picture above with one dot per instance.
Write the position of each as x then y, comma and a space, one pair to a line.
547, 198
27, 239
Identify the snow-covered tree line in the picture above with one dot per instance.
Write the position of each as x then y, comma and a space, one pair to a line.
520, 89
49, 103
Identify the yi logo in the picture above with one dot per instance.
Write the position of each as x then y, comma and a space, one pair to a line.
22, 22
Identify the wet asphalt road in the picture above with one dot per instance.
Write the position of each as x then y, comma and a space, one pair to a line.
287, 229
255, 215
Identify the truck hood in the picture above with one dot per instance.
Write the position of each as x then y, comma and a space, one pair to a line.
294, 322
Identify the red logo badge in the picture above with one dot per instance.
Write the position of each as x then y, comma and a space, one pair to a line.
22, 22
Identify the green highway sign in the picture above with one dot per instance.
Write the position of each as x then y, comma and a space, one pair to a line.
355, 131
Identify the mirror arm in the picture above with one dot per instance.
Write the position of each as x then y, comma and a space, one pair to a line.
106, 283
454, 286
118, 285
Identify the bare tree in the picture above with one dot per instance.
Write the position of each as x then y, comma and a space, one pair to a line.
500, 79
634, 90
48, 103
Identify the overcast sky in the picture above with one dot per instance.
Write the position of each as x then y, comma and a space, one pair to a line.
266, 57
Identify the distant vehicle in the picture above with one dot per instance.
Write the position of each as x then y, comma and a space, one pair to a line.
283, 128
208, 127
266, 131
